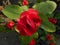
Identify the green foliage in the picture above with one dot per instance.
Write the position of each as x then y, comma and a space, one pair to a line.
45, 7
35, 35
49, 15
54, 38
4, 29
46, 25
13, 11
43, 38
25, 39
57, 16
40, 31
2, 19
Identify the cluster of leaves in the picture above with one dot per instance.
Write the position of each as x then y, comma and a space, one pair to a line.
46, 9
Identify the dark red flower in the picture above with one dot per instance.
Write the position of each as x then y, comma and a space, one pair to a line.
49, 37
29, 22
52, 20
25, 2
52, 43
10, 24
32, 42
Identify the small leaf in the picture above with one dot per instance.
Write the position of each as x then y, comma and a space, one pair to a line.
54, 38
13, 11
35, 35
46, 7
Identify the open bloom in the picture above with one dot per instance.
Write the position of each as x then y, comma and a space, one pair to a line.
29, 22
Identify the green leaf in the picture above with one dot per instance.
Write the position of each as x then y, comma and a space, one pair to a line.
25, 39
24, 8
4, 29
35, 35
57, 16
46, 7
13, 11
42, 38
54, 38
46, 25
49, 15
2, 19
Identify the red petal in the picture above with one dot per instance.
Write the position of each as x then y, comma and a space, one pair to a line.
23, 29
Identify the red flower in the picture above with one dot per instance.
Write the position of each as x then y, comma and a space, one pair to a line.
33, 42
49, 37
52, 43
29, 22
52, 20
25, 2
10, 24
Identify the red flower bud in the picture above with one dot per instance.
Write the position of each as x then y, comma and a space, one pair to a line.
25, 2
52, 43
10, 24
52, 20
49, 37
32, 42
